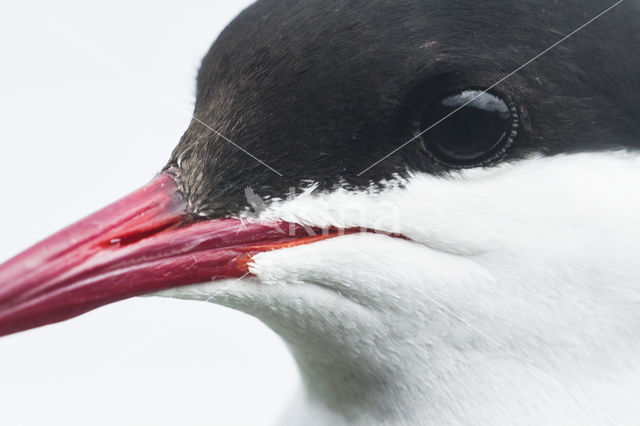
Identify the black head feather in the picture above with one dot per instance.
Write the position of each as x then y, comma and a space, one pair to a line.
321, 89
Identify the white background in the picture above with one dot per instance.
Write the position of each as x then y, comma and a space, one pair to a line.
80, 125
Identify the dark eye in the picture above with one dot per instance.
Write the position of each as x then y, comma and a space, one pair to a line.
468, 129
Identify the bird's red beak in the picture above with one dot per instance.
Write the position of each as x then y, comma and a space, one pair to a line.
140, 244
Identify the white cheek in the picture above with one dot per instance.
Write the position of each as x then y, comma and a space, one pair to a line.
375, 270
545, 245
538, 204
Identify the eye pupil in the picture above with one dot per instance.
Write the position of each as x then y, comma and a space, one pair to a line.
476, 128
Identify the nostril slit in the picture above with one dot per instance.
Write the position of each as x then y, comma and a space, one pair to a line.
131, 236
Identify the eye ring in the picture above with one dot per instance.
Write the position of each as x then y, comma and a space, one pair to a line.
468, 128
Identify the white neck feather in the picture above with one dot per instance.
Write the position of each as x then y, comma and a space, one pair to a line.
516, 302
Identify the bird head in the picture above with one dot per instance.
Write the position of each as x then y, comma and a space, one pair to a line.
398, 188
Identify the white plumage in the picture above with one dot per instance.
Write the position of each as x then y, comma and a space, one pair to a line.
516, 302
